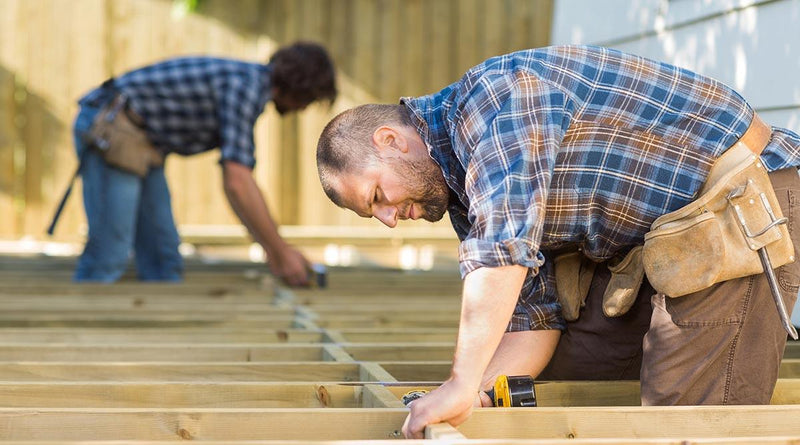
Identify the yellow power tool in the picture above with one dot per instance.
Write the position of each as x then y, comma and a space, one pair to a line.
508, 391
516, 390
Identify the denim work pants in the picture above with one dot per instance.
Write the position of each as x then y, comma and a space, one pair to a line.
125, 213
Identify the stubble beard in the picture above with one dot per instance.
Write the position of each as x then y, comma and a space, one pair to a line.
426, 186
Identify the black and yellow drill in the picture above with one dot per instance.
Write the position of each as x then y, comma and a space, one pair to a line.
513, 390
508, 391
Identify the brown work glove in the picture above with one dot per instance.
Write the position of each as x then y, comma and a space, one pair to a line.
574, 274
626, 279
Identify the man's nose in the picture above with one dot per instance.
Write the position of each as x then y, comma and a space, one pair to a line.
387, 215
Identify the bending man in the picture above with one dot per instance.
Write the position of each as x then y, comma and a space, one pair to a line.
570, 149
185, 106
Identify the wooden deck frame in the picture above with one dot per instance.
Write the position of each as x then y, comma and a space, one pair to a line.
184, 352
457, 440
297, 367
139, 335
384, 423
121, 372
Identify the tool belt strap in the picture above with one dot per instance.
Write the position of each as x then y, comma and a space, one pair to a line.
752, 141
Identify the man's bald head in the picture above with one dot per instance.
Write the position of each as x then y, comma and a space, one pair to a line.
345, 145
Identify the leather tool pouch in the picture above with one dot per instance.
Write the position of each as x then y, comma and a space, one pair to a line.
716, 237
574, 274
122, 143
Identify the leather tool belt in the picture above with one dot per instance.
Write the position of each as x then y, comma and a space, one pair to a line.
712, 239
716, 237
122, 143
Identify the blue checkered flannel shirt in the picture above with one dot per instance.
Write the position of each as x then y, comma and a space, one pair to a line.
194, 104
575, 146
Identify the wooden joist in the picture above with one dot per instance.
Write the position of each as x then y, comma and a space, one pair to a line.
184, 352
228, 357
385, 423
460, 440
106, 335
85, 371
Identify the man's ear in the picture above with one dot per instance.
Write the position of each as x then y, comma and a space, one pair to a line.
386, 137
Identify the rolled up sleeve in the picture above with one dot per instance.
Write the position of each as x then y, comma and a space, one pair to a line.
509, 169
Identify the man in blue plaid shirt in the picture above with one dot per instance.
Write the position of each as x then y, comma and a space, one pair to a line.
576, 148
186, 106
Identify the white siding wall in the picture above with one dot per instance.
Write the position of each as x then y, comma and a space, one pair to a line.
753, 46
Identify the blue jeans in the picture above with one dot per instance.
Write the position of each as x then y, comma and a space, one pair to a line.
126, 214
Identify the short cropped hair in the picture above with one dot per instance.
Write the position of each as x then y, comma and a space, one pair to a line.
305, 72
345, 144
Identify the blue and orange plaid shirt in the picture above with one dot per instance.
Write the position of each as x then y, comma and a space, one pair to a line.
193, 104
575, 146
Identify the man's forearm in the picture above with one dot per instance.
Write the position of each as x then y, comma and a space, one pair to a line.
521, 353
248, 203
489, 298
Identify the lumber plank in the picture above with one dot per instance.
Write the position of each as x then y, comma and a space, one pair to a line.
633, 422
278, 322
142, 298
180, 395
200, 424
113, 316
415, 319
612, 393
443, 431
418, 371
377, 396
790, 368
384, 423
383, 307
187, 352
792, 349
133, 288
78, 336
181, 371
762, 440
397, 335
335, 353
371, 371
373, 352
61, 305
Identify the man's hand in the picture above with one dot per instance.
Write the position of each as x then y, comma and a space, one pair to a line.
290, 266
488, 301
248, 203
452, 403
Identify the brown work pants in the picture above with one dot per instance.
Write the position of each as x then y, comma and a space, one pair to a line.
722, 345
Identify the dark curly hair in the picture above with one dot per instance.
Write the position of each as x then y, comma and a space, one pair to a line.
305, 72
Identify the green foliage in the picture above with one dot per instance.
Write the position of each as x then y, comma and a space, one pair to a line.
186, 5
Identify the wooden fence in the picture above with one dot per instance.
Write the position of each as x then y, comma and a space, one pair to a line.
52, 51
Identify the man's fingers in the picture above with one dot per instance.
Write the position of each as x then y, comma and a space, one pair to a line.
414, 426
484, 400
405, 429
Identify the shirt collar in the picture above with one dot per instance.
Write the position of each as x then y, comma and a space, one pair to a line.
428, 116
